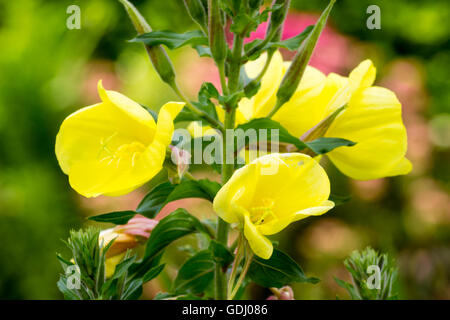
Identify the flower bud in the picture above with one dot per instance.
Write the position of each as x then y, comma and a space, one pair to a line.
277, 17
182, 159
295, 72
285, 293
319, 130
158, 56
197, 12
217, 40
127, 236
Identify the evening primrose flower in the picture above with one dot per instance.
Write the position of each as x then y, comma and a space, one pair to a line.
125, 237
113, 147
371, 118
263, 204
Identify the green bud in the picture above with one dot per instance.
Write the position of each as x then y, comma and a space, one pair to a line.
197, 12
217, 40
255, 4
319, 130
277, 17
295, 72
158, 56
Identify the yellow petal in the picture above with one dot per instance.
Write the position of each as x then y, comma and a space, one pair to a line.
372, 120
113, 147
259, 244
363, 75
304, 110
314, 211
274, 190
111, 264
236, 195
261, 103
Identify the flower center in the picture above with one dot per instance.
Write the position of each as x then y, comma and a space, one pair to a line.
264, 213
129, 151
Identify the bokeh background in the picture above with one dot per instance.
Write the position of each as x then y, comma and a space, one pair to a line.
48, 71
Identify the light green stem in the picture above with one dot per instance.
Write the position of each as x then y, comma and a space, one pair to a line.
227, 167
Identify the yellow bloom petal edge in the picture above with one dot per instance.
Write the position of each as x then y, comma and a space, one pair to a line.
115, 146
271, 192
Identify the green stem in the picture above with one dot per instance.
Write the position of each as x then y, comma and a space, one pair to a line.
223, 82
266, 66
236, 262
248, 261
228, 166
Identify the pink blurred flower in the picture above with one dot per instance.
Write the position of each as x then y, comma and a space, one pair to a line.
332, 53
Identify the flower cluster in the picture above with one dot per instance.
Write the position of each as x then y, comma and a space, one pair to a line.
117, 145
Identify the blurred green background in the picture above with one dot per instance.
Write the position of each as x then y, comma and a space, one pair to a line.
48, 71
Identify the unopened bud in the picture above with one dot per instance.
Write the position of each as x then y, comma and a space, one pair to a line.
319, 130
285, 293
295, 72
277, 17
158, 56
255, 4
182, 159
128, 236
217, 40
197, 12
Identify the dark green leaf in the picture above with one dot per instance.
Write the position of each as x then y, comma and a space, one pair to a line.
325, 144
153, 273
133, 290
155, 200
195, 274
164, 193
293, 43
278, 271
123, 266
220, 253
172, 40
118, 217
268, 124
176, 225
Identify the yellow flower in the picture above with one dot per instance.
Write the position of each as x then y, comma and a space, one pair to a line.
113, 147
271, 192
372, 117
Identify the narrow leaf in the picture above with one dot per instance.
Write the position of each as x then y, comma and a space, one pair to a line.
118, 217
172, 40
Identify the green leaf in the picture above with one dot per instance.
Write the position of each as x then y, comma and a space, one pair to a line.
69, 294
176, 225
349, 287
172, 40
133, 290
166, 192
155, 200
203, 51
117, 217
268, 124
196, 274
293, 43
278, 271
123, 266
220, 253
153, 273
325, 144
